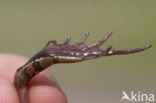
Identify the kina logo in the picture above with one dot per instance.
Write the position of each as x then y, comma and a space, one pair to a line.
137, 97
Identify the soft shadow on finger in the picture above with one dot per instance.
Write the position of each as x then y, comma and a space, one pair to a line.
43, 89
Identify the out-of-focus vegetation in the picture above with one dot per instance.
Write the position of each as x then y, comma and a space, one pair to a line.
27, 25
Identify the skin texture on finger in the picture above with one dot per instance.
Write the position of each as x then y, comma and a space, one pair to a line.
8, 93
47, 91
42, 88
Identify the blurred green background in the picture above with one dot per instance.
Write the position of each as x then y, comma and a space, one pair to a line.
27, 25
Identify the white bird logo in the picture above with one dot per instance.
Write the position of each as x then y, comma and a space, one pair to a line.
125, 96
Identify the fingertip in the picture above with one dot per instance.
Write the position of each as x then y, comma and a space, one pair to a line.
9, 63
8, 93
44, 89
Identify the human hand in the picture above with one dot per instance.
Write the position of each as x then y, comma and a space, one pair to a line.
42, 88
